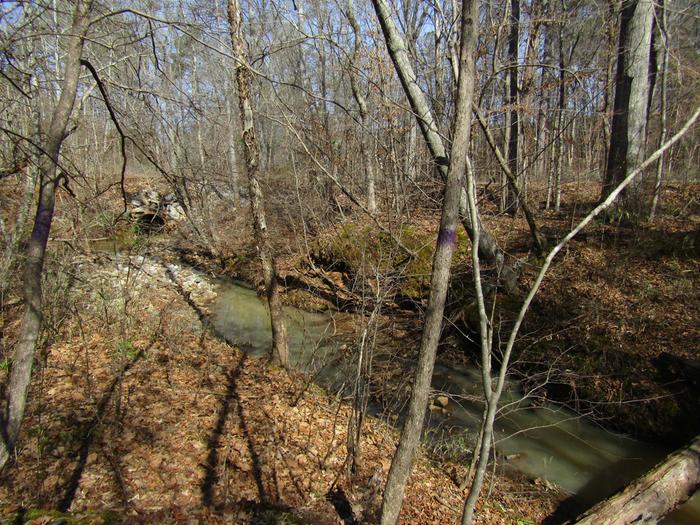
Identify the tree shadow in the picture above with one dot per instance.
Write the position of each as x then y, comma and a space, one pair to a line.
88, 433
342, 506
211, 477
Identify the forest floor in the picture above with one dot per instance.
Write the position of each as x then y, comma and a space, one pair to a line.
619, 313
137, 413
137, 408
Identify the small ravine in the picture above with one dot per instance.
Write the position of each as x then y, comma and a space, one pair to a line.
547, 443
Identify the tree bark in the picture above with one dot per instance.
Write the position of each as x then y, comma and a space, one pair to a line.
610, 38
512, 203
251, 150
662, 63
410, 437
654, 495
233, 126
631, 93
362, 106
49, 177
561, 102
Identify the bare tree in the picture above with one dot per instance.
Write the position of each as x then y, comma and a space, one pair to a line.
493, 387
410, 436
513, 96
365, 149
49, 179
662, 64
252, 162
628, 135
490, 251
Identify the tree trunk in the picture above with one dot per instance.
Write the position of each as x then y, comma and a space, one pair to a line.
489, 249
514, 110
362, 105
654, 495
663, 66
439, 76
252, 162
13, 239
541, 124
561, 102
232, 147
631, 93
410, 167
537, 237
492, 393
21, 373
608, 94
410, 437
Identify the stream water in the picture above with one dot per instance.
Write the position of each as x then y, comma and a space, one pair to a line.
545, 442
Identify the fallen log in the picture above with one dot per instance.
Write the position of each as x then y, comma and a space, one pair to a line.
654, 495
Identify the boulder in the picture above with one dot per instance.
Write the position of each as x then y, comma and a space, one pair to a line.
145, 202
172, 207
151, 210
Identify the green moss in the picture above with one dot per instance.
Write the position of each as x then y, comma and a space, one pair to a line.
33, 514
357, 249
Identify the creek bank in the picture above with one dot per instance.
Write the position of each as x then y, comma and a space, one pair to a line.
142, 274
196, 430
610, 333
536, 441
198, 288
441, 407
579, 377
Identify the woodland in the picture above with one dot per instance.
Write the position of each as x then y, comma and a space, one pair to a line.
350, 261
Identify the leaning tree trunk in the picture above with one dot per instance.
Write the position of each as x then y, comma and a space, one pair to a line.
410, 436
49, 177
252, 163
654, 495
538, 238
488, 248
631, 93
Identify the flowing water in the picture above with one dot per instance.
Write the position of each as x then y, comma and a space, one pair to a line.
548, 443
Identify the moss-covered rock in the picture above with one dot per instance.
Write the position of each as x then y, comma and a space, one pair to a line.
361, 250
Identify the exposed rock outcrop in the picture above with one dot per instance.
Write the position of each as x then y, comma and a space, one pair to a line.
151, 210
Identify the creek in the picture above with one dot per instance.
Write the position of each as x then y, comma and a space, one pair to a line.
547, 442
